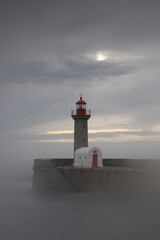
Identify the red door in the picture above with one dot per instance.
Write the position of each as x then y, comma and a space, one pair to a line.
95, 158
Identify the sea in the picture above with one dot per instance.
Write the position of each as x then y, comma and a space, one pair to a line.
113, 215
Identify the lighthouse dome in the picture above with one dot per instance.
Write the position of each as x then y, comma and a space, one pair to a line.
81, 101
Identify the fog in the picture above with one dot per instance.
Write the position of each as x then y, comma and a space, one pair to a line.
111, 215
115, 214
49, 53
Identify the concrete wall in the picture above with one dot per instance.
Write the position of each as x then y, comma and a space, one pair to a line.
50, 180
49, 176
132, 163
69, 179
53, 162
80, 133
108, 162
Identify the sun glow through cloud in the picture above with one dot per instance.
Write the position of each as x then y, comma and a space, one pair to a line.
59, 132
120, 137
101, 57
94, 131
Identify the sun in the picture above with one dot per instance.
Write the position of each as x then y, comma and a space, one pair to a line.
101, 57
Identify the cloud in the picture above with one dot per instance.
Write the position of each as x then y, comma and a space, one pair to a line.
101, 135
32, 35
59, 71
94, 131
49, 141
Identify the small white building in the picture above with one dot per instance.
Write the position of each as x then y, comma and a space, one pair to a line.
88, 157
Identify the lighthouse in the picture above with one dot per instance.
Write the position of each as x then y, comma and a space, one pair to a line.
80, 116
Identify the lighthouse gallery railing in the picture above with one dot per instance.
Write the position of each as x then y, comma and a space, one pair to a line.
74, 112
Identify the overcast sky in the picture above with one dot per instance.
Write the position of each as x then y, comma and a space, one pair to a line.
52, 50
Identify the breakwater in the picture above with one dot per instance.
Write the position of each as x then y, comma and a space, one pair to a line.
60, 175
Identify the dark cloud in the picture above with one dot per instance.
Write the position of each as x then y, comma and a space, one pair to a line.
69, 70
35, 29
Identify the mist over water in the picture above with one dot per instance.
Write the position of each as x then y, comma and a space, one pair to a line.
111, 215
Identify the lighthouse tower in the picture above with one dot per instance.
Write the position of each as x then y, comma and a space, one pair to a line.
80, 115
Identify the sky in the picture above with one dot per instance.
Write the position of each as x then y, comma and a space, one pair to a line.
52, 50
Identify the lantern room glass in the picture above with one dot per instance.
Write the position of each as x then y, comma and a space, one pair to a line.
81, 106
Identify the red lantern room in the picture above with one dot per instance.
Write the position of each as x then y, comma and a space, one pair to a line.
81, 107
